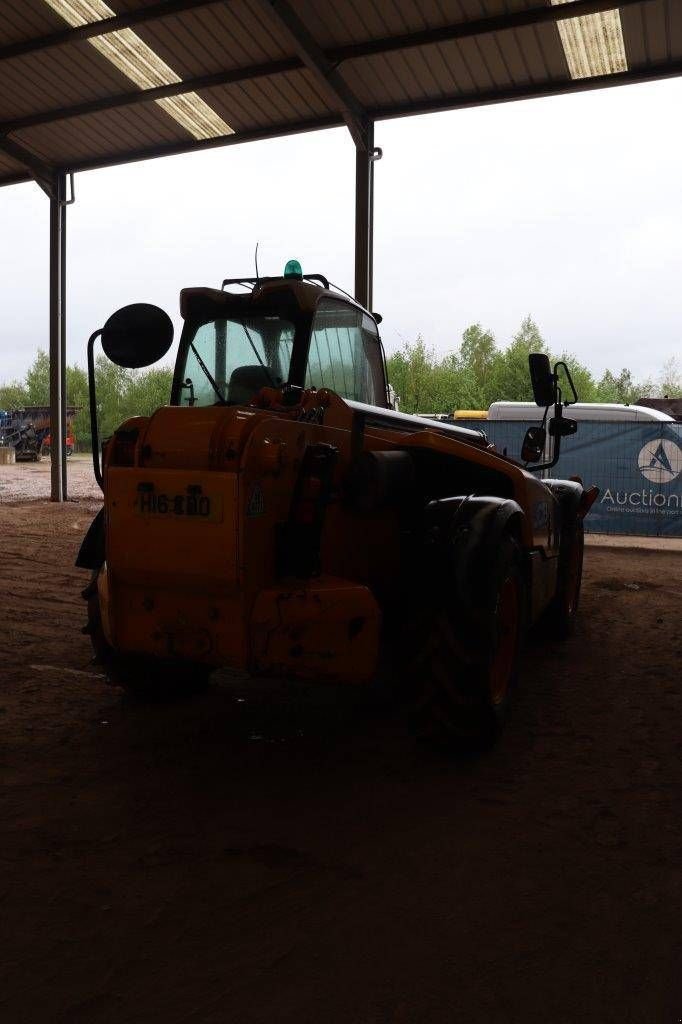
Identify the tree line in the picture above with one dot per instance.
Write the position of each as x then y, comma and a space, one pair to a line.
479, 372
472, 376
121, 393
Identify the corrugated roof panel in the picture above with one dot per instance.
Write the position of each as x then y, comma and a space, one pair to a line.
332, 24
542, 51
593, 43
232, 34
495, 63
252, 105
55, 78
141, 65
27, 20
374, 81
73, 141
655, 16
213, 38
515, 59
652, 33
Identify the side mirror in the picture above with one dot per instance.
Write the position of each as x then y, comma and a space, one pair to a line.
562, 427
542, 379
533, 444
137, 335
133, 337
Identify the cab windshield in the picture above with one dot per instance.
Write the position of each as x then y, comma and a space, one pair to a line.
228, 361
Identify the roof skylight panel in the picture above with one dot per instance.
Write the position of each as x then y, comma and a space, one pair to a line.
593, 43
144, 67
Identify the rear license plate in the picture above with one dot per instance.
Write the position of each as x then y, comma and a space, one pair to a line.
204, 507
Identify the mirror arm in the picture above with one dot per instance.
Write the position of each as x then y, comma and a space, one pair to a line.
566, 370
557, 437
94, 433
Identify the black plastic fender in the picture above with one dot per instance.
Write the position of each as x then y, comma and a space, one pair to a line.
91, 554
568, 494
470, 529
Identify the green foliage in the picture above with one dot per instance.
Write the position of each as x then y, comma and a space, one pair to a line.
670, 383
38, 380
620, 388
479, 373
13, 396
120, 393
472, 377
124, 393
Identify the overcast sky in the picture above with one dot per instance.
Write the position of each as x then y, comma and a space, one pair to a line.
568, 208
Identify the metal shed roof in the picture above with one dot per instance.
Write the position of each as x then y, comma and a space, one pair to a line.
253, 69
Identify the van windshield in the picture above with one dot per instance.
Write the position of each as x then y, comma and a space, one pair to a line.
228, 361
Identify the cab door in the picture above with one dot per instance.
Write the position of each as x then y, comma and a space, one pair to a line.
345, 353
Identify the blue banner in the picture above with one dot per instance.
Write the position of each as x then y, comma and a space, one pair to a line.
636, 466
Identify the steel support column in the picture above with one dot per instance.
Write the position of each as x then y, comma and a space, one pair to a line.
365, 157
58, 338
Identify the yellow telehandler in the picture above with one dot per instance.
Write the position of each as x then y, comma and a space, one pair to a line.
279, 517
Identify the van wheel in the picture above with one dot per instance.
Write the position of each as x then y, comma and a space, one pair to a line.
562, 612
145, 678
463, 674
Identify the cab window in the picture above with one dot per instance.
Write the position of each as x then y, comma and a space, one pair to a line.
229, 361
345, 354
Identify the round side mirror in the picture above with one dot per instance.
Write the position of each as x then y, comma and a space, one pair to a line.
137, 335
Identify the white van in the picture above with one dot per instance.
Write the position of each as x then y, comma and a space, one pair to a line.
598, 412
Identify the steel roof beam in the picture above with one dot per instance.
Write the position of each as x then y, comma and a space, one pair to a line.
656, 72
128, 19
192, 146
41, 172
332, 58
338, 93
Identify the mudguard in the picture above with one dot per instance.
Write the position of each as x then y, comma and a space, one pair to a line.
568, 494
92, 554
473, 525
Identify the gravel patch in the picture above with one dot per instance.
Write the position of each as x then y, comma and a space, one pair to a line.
30, 481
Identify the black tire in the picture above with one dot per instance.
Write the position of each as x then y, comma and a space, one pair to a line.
562, 612
464, 668
145, 678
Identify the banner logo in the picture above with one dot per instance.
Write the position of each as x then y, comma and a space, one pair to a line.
660, 461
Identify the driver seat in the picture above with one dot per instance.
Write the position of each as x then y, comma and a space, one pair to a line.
246, 381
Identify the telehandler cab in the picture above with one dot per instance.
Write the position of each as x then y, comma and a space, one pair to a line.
280, 518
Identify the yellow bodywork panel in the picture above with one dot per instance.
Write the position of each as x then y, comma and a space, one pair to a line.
172, 564
324, 628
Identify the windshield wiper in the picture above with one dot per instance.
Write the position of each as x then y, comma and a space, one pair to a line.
255, 352
204, 367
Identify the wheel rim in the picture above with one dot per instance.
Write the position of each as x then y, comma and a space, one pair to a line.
507, 640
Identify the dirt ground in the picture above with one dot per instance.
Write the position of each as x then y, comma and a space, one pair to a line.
30, 480
261, 855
